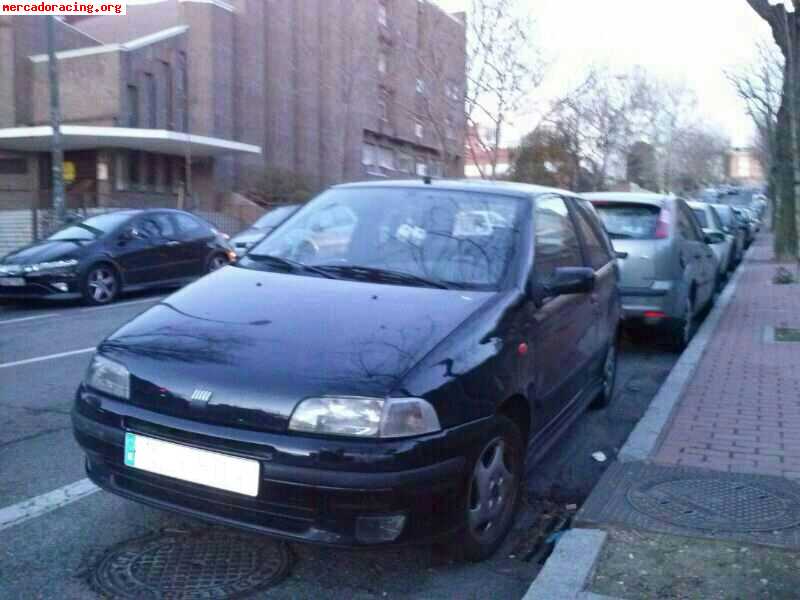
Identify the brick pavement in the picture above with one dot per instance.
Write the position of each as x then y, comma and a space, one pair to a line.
741, 411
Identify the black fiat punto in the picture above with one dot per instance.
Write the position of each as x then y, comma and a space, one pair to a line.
380, 369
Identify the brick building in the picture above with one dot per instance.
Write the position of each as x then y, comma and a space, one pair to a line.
334, 90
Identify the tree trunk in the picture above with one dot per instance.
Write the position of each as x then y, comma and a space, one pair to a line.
785, 230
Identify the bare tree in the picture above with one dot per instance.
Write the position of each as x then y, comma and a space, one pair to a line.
504, 68
785, 26
760, 84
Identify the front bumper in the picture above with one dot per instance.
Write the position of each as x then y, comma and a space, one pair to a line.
311, 489
52, 286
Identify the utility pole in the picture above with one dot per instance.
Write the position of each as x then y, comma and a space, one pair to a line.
57, 154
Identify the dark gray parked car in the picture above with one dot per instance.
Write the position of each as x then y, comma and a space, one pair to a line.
668, 270
248, 238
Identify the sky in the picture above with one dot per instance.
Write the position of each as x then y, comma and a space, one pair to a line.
693, 41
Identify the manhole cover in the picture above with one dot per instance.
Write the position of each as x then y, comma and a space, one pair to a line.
184, 565
716, 504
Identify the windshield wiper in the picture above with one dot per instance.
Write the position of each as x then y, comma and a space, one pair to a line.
292, 265
386, 274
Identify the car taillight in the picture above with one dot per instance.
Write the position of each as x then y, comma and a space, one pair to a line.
662, 227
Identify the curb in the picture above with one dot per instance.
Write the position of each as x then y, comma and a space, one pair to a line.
572, 563
643, 440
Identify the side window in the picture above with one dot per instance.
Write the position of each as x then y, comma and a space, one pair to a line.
149, 227
686, 227
596, 250
189, 227
164, 225
556, 239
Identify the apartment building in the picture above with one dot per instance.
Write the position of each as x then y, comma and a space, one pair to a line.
216, 93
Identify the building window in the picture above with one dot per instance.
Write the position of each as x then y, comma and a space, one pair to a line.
405, 163
133, 168
386, 158
420, 86
419, 130
422, 168
169, 91
449, 132
13, 166
383, 14
368, 155
152, 113
152, 170
169, 180
452, 91
133, 106
383, 109
383, 62
435, 169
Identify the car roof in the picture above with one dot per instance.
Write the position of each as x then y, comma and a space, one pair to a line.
506, 188
632, 197
696, 204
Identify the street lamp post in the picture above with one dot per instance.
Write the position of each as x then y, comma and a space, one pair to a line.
56, 151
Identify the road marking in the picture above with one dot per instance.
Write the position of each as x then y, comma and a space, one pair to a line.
123, 304
40, 505
29, 361
22, 319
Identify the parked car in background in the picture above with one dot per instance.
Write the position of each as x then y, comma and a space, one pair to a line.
734, 227
668, 271
721, 243
748, 224
106, 255
386, 389
245, 240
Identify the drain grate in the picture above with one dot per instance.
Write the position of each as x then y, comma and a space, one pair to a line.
714, 504
186, 565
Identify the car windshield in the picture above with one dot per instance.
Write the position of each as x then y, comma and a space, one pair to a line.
701, 217
628, 221
438, 238
92, 228
275, 217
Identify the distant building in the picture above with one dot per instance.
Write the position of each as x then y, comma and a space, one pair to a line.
743, 167
335, 90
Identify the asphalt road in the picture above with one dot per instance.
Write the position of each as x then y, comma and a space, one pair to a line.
44, 350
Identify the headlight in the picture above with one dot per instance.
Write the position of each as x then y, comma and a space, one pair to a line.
109, 377
56, 265
365, 417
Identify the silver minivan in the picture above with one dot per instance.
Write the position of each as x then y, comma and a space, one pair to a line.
668, 270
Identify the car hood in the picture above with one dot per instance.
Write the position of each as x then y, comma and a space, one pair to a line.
260, 342
47, 250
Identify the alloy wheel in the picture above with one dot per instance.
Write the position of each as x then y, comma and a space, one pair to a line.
492, 491
102, 285
217, 262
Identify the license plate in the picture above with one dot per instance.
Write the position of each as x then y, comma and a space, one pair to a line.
221, 471
12, 282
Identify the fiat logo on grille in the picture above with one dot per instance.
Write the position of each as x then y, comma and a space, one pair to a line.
201, 395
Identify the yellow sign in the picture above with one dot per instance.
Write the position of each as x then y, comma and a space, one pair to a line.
69, 171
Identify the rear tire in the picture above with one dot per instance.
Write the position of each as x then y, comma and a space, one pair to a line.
100, 285
605, 396
492, 493
684, 327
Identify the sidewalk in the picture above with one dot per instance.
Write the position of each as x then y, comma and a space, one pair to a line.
704, 501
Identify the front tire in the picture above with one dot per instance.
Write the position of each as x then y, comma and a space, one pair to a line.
216, 262
492, 492
101, 285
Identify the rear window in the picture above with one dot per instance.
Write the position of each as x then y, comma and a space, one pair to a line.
701, 217
625, 221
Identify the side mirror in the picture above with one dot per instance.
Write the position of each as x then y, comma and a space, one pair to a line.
715, 237
570, 280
